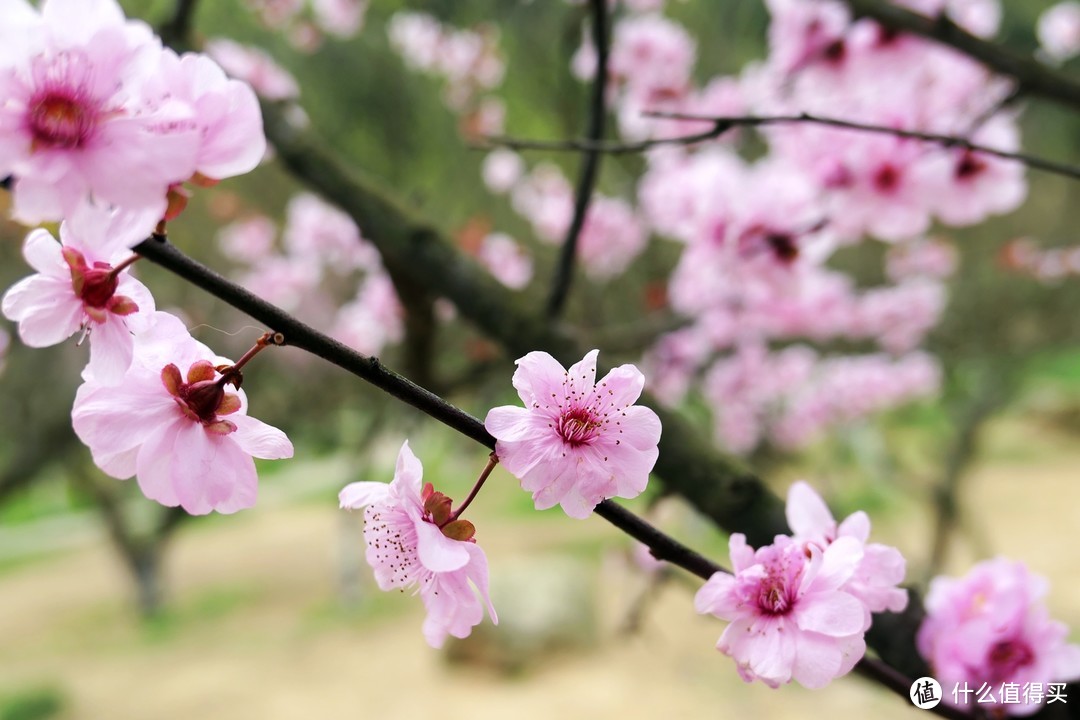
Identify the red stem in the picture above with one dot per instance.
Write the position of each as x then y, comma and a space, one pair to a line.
493, 460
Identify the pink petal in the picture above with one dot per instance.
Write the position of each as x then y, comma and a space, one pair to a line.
856, 525
716, 596
111, 350
510, 423
44, 254
807, 514
360, 494
817, 660
835, 614
260, 440
437, 552
45, 308
539, 380
621, 386
582, 376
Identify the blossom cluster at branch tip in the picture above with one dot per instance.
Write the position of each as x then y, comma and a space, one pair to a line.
991, 627
799, 608
95, 109
413, 540
577, 441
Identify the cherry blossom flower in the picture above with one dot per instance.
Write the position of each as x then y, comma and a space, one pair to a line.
881, 568
171, 424
507, 261
502, 169
413, 540
227, 113
81, 284
248, 240
75, 123
1058, 30
991, 626
255, 67
790, 618
577, 441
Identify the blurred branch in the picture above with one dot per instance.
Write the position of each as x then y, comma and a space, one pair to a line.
176, 30
722, 124
590, 164
1031, 76
991, 392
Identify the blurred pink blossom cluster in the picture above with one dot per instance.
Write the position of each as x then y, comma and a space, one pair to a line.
791, 396
759, 236
96, 110
306, 22
991, 630
468, 61
613, 233
322, 261
798, 609
1048, 265
255, 67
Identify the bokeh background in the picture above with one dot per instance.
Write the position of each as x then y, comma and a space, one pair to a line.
112, 608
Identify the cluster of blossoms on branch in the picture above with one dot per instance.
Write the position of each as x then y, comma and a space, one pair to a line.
991, 632
100, 127
799, 609
305, 22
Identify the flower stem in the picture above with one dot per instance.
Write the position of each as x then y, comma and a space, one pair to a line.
493, 460
124, 265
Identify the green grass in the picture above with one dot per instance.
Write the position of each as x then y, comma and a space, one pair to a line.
35, 703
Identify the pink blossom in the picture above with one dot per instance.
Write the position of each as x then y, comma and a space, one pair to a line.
249, 240
374, 319
171, 423
1059, 30
544, 197
5, 342
652, 55
502, 168
343, 18
507, 260
227, 113
933, 258
255, 67
881, 568
77, 286
576, 442
413, 540
76, 125
611, 238
319, 232
790, 617
991, 626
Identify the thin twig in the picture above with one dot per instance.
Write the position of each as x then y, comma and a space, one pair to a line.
723, 124
590, 165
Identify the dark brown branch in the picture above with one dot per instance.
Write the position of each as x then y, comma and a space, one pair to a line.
300, 335
722, 124
1032, 77
590, 164
176, 30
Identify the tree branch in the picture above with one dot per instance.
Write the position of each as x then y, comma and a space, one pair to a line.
722, 124
1032, 77
719, 486
176, 30
300, 335
590, 164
